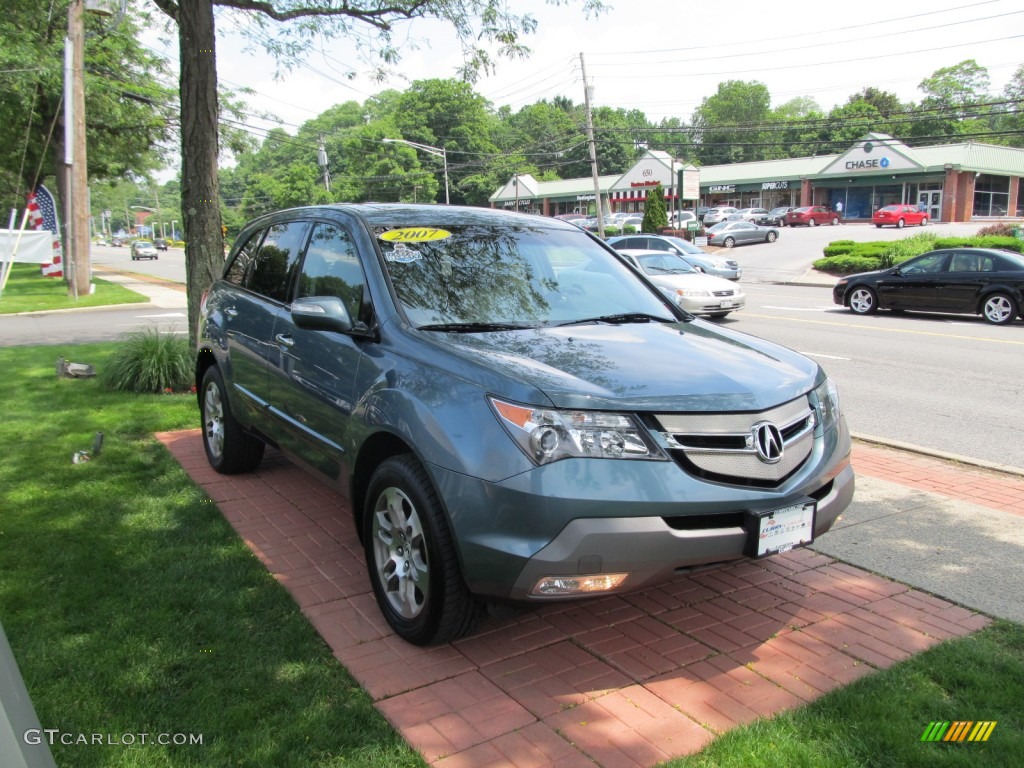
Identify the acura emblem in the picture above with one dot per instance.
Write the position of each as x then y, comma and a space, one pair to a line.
767, 441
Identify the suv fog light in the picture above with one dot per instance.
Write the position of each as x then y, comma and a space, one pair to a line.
575, 585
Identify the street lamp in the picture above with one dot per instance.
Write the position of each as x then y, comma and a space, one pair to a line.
439, 151
151, 210
174, 232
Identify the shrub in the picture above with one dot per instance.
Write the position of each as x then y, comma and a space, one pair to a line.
655, 214
847, 264
149, 362
1005, 243
1002, 229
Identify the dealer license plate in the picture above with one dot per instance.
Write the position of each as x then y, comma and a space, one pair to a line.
726, 303
779, 530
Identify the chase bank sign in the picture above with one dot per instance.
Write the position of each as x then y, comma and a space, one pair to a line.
880, 154
872, 164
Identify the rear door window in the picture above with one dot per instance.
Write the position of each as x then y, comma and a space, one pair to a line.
274, 267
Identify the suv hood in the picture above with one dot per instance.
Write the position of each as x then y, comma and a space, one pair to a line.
691, 366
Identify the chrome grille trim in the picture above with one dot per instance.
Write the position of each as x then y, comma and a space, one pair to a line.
690, 433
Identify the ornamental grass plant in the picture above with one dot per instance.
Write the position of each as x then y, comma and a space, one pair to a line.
149, 361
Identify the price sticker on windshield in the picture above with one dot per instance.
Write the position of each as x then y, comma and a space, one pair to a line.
415, 235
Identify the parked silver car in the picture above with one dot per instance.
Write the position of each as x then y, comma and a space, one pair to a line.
730, 233
705, 262
715, 215
696, 292
749, 214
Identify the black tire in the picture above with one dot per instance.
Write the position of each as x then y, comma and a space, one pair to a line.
924, 222
229, 448
900, 224
729, 242
411, 557
862, 300
771, 237
999, 309
878, 225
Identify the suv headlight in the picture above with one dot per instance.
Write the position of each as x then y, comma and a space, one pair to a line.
550, 434
827, 396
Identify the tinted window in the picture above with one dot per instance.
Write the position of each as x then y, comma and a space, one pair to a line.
966, 261
276, 259
930, 262
243, 258
331, 268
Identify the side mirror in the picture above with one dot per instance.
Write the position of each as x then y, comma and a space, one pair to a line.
321, 313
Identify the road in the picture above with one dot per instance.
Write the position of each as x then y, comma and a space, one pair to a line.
951, 383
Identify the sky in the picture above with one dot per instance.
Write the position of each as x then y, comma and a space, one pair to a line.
662, 57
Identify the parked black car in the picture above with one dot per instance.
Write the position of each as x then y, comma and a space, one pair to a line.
776, 217
160, 244
975, 281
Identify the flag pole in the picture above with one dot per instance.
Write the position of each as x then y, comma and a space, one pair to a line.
14, 250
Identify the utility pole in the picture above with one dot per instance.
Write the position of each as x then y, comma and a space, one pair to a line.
593, 149
321, 157
74, 152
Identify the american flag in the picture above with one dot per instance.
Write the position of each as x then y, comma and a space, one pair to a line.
42, 214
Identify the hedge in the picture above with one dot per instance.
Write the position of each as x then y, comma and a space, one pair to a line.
843, 257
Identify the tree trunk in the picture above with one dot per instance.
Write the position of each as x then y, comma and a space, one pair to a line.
200, 206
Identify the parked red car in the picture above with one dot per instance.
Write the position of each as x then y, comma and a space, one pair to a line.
812, 216
898, 216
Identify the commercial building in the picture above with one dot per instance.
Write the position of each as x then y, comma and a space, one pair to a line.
955, 182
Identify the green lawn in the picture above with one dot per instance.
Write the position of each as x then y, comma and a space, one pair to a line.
29, 291
133, 607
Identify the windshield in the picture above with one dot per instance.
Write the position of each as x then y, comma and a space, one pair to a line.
515, 276
664, 264
684, 245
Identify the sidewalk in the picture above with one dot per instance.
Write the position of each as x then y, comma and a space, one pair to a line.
164, 294
637, 679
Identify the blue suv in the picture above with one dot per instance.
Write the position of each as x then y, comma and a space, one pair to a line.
514, 413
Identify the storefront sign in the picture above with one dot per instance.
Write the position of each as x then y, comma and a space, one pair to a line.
644, 183
874, 163
722, 188
584, 197
775, 185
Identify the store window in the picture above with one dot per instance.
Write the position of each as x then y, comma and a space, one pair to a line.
991, 195
1020, 197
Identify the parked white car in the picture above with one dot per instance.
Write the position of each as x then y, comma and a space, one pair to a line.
696, 292
716, 215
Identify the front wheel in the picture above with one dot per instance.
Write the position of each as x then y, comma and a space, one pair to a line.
411, 557
924, 222
729, 242
812, 223
999, 309
229, 448
771, 237
900, 224
878, 225
863, 301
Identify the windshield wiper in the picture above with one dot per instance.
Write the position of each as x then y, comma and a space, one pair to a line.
625, 317
475, 327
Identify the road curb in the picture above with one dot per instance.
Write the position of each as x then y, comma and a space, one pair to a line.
898, 445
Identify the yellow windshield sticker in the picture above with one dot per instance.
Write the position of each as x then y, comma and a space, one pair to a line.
415, 235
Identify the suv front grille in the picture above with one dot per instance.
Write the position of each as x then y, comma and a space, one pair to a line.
723, 446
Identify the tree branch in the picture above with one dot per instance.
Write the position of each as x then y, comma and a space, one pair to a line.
376, 17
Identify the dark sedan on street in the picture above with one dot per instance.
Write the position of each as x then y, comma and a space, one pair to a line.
730, 233
975, 281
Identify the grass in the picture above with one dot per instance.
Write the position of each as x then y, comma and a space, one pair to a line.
133, 607
878, 720
29, 291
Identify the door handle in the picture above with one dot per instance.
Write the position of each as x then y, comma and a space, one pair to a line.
231, 312
284, 341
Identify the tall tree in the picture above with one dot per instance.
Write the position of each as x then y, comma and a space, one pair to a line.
130, 114
292, 27
732, 122
949, 109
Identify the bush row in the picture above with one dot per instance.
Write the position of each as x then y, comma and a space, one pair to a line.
843, 257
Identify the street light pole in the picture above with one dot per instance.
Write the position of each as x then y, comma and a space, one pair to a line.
439, 151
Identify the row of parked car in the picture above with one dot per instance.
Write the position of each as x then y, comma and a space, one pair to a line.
898, 216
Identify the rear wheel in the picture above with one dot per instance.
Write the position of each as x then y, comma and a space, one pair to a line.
835, 221
229, 448
812, 222
771, 237
999, 309
878, 225
411, 557
729, 242
900, 224
863, 301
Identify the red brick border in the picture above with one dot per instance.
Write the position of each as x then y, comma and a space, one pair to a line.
631, 680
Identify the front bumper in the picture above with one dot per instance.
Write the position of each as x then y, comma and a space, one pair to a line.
593, 516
